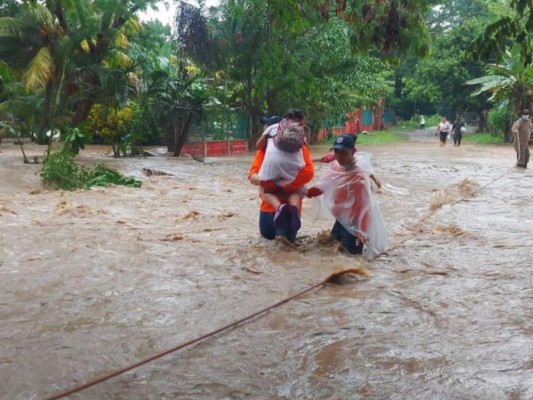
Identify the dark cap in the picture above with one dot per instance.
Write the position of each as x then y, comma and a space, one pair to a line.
344, 142
525, 111
270, 120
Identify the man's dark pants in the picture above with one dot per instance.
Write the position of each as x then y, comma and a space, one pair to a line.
346, 238
268, 231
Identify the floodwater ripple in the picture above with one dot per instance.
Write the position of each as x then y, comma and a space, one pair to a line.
91, 281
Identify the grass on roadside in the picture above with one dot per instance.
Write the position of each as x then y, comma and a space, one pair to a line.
375, 137
382, 137
483, 138
410, 125
392, 135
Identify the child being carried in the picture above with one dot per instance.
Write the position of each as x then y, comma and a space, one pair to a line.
283, 161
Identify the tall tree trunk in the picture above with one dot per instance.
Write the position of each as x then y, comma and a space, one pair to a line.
483, 124
170, 135
183, 134
255, 115
21, 144
44, 123
83, 108
341, 7
253, 112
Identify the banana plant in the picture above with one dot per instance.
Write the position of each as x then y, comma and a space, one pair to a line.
510, 80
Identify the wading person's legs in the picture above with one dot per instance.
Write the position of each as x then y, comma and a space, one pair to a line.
269, 231
442, 137
349, 241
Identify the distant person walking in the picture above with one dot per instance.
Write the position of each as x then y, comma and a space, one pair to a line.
422, 121
444, 128
522, 136
458, 130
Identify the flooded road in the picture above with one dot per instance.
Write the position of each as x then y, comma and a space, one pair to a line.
92, 281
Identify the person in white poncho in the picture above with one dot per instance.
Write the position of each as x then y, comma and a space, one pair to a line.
359, 225
362, 160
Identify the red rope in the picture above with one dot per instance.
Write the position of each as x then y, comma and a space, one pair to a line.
181, 346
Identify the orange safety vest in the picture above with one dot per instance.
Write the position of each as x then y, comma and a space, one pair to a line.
303, 177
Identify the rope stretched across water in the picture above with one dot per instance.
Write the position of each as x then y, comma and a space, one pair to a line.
112, 374
484, 186
427, 216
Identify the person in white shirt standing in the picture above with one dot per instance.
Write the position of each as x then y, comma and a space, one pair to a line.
422, 121
443, 129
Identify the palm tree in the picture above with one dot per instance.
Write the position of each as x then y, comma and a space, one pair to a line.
104, 42
35, 43
65, 48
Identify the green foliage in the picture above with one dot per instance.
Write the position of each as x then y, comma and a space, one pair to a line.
219, 136
376, 137
391, 27
9, 8
7, 130
437, 83
259, 55
271, 59
340, 80
382, 137
20, 111
500, 120
423, 86
101, 175
511, 81
329, 81
454, 13
433, 120
60, 170
513, 26
129, 144
75, 140
173, 93
483, 138
410, 124
76, 53
191, 33
114, 126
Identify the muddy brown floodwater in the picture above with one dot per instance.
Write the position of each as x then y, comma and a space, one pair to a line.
92, 281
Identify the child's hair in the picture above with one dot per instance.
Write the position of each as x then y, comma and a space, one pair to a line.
294, 114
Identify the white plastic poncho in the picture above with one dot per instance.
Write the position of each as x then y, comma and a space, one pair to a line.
364, 161
349, 198
280, 166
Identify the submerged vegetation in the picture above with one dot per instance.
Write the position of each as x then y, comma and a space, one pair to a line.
61, 171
